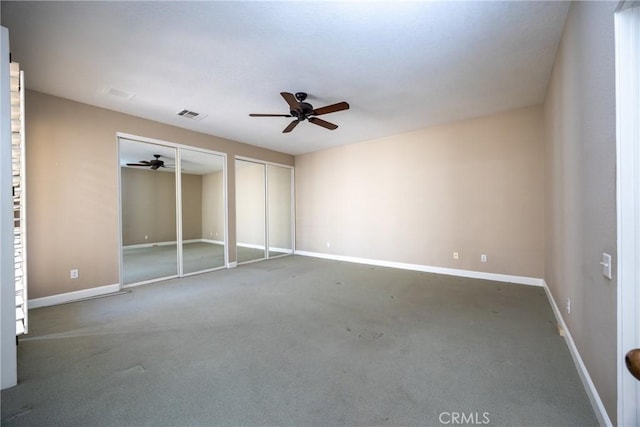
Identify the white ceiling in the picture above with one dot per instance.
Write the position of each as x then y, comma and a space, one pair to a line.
400, 65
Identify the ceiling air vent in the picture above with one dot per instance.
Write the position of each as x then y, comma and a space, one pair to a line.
118, 93
188, 114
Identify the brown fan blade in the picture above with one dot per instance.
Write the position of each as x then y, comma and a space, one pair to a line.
330, 108
291, 100
323, 123
292, 125
269, 115
136, 164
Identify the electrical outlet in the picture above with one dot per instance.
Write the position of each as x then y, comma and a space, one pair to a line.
483, 258
456, 255
568, 305
328, 244
73, 274
606, 265
146, 237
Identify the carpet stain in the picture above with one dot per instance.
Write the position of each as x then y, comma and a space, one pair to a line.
98, 353
138, 369
369, 336
23, 411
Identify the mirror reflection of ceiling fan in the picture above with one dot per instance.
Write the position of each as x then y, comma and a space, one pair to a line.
301, 111
153, 164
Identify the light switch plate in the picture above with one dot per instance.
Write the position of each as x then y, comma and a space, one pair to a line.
606, 265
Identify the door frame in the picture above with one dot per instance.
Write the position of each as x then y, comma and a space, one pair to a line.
627, 54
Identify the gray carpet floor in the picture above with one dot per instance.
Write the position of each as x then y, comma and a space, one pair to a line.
299, 341
148, 263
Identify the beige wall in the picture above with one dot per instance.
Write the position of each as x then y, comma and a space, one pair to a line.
475, 187
192, 192
580, 188
72, 176
213, 206
148, 206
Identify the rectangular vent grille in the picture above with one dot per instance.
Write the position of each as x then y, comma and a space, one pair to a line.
191, 115
120, 93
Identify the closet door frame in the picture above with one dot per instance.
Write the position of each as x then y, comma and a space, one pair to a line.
266, 165
178, 177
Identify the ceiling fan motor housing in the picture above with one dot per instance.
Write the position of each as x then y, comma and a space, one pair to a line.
305, 110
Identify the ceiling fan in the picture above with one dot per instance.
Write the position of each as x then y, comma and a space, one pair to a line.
304, 111
151, 164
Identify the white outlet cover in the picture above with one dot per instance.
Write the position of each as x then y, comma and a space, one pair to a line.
606, 265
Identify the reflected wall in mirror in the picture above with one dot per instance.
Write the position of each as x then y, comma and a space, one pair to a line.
148, 208
250, 211
279, 202
203, 213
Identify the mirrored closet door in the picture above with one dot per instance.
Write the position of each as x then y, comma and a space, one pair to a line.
173, 211
280, 212
148, 211
203, 212
250, 211
264, 210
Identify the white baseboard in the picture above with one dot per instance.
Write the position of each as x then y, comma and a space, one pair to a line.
149, 245
522, 280
73, 296
261, 247
213, 242
193, 241
280, 250
592, 393
250, 245
232, 264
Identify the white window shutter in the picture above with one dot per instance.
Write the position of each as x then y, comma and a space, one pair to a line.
19, 196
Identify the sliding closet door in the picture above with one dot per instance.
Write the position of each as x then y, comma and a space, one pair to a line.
148, 207
279, 198
203, 211
250, 211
